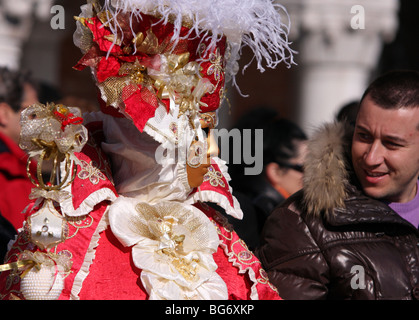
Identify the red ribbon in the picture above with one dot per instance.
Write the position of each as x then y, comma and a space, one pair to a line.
55, 276
67, 119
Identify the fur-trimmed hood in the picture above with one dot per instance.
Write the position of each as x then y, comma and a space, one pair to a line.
327, 168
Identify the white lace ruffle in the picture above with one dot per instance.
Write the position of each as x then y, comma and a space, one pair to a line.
88, 259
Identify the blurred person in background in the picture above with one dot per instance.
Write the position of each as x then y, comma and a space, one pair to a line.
7, 232
17, 91
348, 113
284, 150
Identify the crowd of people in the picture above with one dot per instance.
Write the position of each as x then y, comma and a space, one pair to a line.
331, 216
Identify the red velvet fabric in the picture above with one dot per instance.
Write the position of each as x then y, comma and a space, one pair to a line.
112, 276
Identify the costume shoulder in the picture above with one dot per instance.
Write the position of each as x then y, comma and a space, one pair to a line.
93, 181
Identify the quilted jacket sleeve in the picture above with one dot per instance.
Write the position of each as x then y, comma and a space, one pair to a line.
292, 258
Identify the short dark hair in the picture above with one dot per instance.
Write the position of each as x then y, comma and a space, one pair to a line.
395, 89
280, 140
12, 87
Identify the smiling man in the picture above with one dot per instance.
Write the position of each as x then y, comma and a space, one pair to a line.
385, 149
352, 232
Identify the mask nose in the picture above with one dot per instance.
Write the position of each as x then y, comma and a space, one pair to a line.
213, 150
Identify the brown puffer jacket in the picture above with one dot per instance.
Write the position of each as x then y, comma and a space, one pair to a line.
330, 241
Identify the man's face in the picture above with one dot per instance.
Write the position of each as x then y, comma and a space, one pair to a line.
13, 128
385, 151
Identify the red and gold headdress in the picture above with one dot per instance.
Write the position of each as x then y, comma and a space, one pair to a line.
174, 55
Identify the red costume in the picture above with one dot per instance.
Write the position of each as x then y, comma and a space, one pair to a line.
125, 221
102, 267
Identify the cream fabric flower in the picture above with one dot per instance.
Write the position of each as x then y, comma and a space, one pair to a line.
173, 244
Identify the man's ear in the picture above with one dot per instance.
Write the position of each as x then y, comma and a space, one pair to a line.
4, 114
273, 173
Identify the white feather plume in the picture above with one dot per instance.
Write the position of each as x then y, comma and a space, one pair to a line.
258, 24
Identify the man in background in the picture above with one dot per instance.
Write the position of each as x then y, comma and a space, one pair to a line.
284, 148
16, 93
